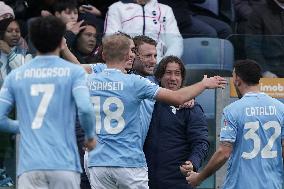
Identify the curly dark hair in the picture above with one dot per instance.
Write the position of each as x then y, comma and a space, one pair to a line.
161, 68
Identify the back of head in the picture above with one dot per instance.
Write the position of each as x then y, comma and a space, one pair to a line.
248, 70
141, 39
46, 33
115, 48
62, 5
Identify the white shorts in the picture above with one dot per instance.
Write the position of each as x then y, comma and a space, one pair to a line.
49, 180
118, 178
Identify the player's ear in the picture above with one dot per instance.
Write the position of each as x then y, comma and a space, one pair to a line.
238, 81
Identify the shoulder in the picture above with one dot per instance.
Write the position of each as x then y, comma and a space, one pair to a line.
139, 78
74, 68
278, 104
117, 5
197, 107
234, 106
164, 7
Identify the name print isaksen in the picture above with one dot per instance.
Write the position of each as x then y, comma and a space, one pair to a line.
104, 86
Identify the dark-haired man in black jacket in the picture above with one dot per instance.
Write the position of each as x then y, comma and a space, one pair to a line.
175, 135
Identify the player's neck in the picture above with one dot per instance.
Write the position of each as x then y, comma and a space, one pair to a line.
250, 89
53, 53
116, 65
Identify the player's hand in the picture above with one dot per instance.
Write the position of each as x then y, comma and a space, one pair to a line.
5, 47
90, 144
188, 104
90, 9
75, 27
214, 82
193, 179
186, 167
45, 13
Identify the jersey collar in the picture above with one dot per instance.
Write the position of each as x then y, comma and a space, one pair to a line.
253, 94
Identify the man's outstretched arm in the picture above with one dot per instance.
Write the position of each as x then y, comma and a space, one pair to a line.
218, 159
185, 94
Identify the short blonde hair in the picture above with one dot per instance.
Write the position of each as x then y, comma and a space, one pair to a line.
115, 47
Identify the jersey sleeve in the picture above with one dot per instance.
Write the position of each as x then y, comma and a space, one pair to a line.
6, 104
145, 88
6, 92
79, 79
81, 95
228, 128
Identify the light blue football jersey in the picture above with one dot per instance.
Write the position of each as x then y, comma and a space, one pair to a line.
146, 107
255, 125
117, 98
42, 90
146, 110
98, 67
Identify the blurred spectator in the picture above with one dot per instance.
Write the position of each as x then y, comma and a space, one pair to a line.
266, 37
85, 45
6, 11
146, 17
12, 55
193, 23
98, 8
100, 5
39, 8
176, 135
243, 9
67, 11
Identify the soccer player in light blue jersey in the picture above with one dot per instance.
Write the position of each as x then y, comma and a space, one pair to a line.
46, 92
252, 136
118, 160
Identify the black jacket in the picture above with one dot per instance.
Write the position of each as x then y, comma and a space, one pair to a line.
171, 140
265, 42
244, 8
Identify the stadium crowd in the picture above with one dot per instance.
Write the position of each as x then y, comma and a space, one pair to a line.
101, 84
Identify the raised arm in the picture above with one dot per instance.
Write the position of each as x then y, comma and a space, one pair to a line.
187, 93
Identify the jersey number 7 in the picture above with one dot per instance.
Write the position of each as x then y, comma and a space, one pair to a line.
48, 91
